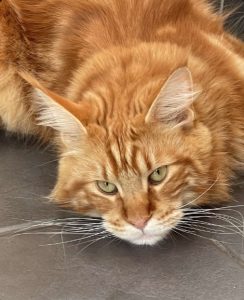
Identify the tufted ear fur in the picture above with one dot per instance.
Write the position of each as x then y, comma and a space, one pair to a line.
172, 105
55, 111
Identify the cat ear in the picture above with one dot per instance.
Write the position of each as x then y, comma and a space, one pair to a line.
172, 105
56, 112
57, 116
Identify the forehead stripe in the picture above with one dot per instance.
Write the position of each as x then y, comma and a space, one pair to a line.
115, 151
128, 154
113, 162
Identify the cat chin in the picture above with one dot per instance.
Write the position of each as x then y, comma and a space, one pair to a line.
143, 238
148, 240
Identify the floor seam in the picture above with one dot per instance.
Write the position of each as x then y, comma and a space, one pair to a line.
229, 252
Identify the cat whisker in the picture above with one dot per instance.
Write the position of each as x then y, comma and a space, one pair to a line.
79, 220
81, 230
191, 223
110, 242
34, 226
214, 216
48, 162
200, 236
212, 212
179, 233
84, 225
68, 225
77, 226
64, 230
93, 242
75, 240
208, 229
196, 229
234, 222
199, 221
15, 228
220, 230
216, 208
202, 194
222, 5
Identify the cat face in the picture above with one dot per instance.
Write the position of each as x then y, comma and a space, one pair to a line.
137, 174
138, 185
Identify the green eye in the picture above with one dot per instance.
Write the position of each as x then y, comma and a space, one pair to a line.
157, 176
107, 187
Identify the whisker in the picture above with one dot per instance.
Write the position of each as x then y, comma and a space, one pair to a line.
214, 216
222, 4
93, 242
175, 231
226, 219
31, 225
75, 240
206, 229
202, 194
212, 212
47, 162
201, 236
205, 224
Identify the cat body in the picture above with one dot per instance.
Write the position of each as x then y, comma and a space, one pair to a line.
145, 101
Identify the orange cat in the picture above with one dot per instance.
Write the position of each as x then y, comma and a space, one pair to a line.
145, 100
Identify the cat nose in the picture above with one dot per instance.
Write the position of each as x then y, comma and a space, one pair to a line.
139, 223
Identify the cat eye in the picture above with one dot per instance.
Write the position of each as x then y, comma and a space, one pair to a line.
158, 175
107, 187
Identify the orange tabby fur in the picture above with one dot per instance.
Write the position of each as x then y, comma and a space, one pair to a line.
99, 66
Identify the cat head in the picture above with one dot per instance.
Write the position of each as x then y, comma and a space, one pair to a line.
138, 173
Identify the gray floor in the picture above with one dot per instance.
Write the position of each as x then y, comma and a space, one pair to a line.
189, 267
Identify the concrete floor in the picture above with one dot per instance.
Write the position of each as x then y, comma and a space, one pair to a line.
189, 267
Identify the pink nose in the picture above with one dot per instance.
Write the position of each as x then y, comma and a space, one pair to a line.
139, 223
